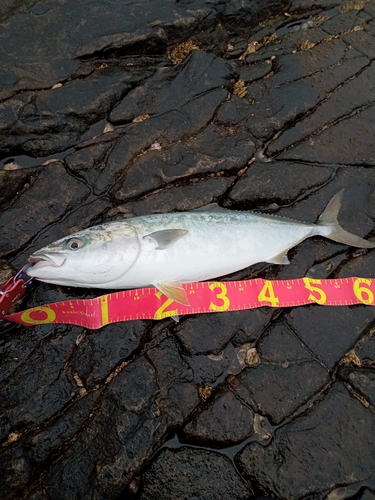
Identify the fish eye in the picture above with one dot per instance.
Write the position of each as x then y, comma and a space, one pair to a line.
74, 244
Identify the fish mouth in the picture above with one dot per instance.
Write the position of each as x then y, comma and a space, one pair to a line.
46, 260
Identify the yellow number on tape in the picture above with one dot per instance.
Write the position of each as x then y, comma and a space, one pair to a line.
320, 297
49, 312
222, 295
104, 309
362, 293
267, 294
160, 314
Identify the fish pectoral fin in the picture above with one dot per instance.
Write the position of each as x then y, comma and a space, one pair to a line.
281, 258
173, 291
166, 237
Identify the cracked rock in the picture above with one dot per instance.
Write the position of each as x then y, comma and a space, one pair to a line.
110, 110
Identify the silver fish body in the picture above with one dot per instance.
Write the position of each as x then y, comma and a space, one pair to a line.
166, 250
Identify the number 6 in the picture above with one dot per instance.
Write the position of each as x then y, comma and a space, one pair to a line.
361, 291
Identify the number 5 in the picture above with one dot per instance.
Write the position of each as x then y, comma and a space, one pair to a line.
322, 297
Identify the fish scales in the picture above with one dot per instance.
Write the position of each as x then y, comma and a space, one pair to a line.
215, 245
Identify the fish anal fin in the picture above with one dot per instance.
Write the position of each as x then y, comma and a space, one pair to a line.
166, 237
281, 258
173, 291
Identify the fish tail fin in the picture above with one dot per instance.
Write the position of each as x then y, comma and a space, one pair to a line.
328, 219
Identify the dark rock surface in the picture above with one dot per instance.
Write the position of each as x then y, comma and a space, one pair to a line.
204, 468
114, 109
324, 435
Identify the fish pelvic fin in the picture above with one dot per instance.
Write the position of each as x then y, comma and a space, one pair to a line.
173, 291
328, 219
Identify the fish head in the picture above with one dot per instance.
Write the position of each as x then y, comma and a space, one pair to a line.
92, 257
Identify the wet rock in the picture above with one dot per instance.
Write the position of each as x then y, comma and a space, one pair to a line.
26, 456
329, 332
338, 423
133, 156
89, 159
357, 206
286, 378
29, 395
96, 355
364, 383
272, 95
194, 194
356, 266
173, 88
12, 184
365, 351
6, 271
195, 158
363, 489
256, 186
211, 369
356, 369
192, 473
326, 144
233, 111
18, 344
108, 31
315, 136
44, 444
223, 422
240, 324
136, 428
43, 206
134, 109
64, 113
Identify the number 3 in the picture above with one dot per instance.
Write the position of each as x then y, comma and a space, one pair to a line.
222, 295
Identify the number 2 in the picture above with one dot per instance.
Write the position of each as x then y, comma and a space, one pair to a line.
160, 314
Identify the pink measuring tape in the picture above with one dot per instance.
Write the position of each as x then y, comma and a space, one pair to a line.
204, 297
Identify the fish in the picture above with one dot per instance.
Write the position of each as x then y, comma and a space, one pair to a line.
167, 250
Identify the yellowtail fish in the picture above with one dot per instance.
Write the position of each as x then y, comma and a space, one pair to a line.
166, 250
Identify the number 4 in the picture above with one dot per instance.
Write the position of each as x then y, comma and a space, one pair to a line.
267, 294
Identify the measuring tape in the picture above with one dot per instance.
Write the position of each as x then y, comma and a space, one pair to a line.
204, 297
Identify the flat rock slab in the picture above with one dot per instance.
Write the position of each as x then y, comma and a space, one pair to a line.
292, 449
110, 110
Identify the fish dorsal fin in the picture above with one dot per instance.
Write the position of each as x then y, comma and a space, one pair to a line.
173, 291
166, 237
211, 207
